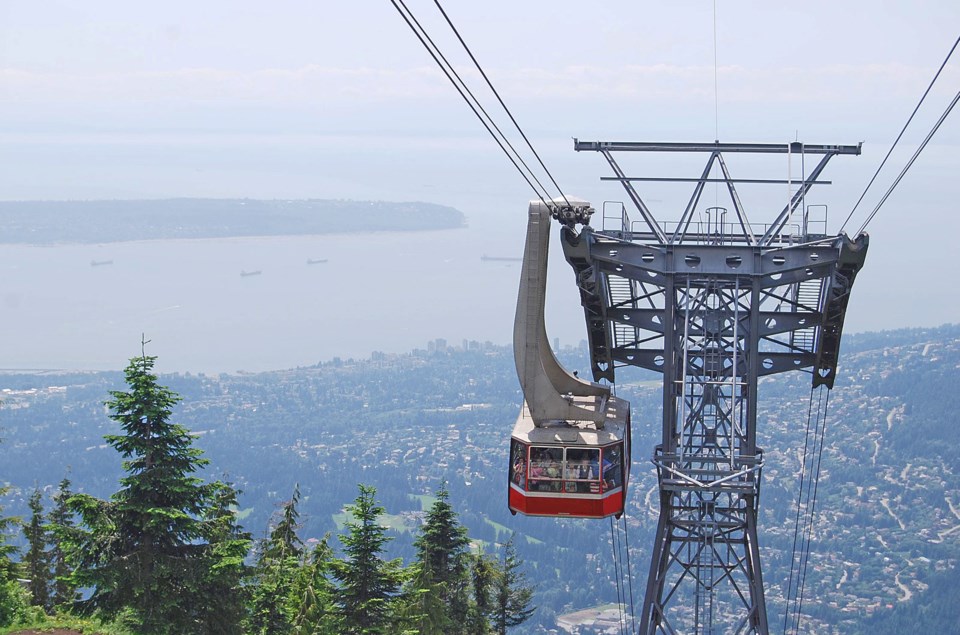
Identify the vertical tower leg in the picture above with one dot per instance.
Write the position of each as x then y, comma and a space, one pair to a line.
706, 566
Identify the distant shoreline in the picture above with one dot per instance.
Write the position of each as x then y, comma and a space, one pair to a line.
857, 342
251, 237
43, 223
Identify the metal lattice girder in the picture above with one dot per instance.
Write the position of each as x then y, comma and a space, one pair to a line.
602, 262
713, 308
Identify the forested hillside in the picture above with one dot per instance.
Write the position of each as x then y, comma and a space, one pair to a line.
886, 532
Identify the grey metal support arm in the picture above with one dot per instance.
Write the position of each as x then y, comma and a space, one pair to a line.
552, 393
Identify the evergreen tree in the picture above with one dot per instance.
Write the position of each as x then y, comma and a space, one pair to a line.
59, 522
313, 594
148, 548
278, 563
368, 584
14, 600
284, 541
422, 600
442, 558
36, 562
220, 599
483, 575
512, 595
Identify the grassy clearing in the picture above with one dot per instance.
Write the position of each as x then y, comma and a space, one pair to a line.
390, 521
426, 500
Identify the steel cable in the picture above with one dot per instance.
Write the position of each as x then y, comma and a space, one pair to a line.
813, 509
910, 162
626, 540
904, 129
796, 527
617, 574
502, 104
450, 74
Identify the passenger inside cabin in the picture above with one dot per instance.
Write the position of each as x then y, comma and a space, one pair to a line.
519, 467
544, 468
581, 470
536, 471
612, 473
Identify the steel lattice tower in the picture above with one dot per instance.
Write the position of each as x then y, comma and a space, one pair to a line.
713, 304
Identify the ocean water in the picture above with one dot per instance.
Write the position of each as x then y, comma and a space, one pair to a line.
390, 292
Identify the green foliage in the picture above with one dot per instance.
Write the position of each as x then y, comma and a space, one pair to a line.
14, 599
442, 559
512, 596
291, 590
60, 523
91, 626
284, 541
14, 602
219, 600
165, 538
483, 574
278, 563
313, 594
423, 607
6, 550
368, 585
36, 562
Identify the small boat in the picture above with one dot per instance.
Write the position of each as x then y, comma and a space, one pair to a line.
316, 261
244, 274
100, 263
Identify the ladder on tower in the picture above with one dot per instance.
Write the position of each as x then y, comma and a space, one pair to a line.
807, 296
622, 295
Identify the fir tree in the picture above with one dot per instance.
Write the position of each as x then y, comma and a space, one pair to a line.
423, 607
512, 595
313, 594
36, 562
442, 558
14, 600
284, 541
59, 523
220, 599
147, 549
368, 584
278, 562
483, 575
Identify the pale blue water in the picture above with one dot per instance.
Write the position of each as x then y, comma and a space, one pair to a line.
388, 292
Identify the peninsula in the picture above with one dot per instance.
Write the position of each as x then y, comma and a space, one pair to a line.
40, 222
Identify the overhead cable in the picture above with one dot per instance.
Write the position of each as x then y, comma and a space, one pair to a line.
813, 509
626, 541
499, 137
910, 162
618, 575
796, 527
904, 129
497, 94
462, 89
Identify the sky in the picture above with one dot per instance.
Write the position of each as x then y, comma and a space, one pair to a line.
112, 99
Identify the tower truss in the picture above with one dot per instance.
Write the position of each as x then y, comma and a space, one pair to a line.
714, 304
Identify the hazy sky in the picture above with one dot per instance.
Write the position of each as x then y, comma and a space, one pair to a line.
338, 100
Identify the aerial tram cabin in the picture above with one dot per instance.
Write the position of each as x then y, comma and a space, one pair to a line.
571, 468
570, 448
